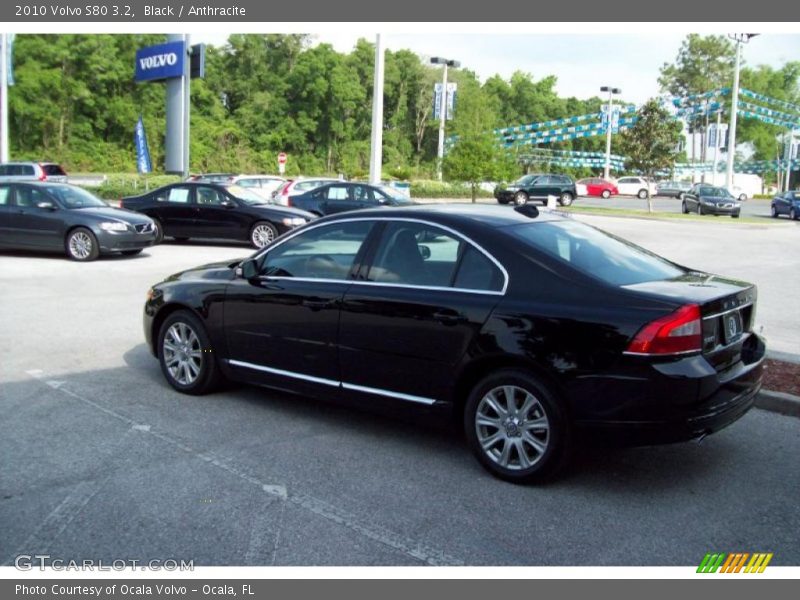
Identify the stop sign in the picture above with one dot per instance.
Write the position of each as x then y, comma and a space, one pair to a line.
282, 158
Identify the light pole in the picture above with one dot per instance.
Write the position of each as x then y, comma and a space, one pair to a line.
611, 91
438, 60
739, 38
376, 150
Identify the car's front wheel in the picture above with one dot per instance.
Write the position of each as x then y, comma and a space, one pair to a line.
792, 214
773, 211
565, 199
262, 234
81, 245
520, 198
159, 228
684, 208
186, 356
516, 427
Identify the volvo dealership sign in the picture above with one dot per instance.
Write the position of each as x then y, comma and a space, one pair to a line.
163, 61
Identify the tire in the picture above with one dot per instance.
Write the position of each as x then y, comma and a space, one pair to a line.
159, 232
565, 199
547, 419
605, 194
642, 195
735, 216
262, 233
684, 208
500, 201
699, 209
742, 197
520, 198
792, 214
194, 369
81, 245
131, 252
773, 211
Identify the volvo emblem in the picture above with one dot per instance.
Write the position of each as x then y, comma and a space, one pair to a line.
731, 326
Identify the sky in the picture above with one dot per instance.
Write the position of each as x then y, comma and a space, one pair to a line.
581, 62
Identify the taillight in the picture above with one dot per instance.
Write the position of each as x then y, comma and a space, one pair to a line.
289, 202
285, 189
678, 332
43, 176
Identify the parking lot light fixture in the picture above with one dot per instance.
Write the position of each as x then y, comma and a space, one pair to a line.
739, 38
445, 62
612, 91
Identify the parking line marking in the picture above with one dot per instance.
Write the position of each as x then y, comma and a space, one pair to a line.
373, 531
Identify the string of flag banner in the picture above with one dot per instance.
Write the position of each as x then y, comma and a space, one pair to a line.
769, 100
756, 166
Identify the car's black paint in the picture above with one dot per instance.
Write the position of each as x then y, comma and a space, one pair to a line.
385, 344
232, 220
538, 187
706, 199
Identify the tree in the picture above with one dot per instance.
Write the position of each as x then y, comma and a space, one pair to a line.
651, 144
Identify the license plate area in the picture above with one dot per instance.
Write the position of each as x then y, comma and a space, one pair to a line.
732, 328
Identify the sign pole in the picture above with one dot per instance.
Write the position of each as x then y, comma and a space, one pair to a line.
187, 104
376, 150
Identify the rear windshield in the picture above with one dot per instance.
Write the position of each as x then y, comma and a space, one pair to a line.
596, 253
53, 170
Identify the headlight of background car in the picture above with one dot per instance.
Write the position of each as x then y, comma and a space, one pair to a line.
115, 226
294, 221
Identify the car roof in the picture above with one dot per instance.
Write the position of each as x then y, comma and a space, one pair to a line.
453, 214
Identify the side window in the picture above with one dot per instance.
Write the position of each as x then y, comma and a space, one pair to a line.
477, 272
5, 195
415, 254
362, 193
248, 183
28, 170
326, 252
176, 195
5, 170
28, 197
208, 196
338, 192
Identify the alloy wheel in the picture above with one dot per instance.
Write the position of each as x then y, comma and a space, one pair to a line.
512, 427
183, 355
262, 235
80, 245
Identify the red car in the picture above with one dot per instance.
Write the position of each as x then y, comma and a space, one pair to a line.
595, 186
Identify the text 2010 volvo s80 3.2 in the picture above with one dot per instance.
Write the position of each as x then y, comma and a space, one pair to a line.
534, 329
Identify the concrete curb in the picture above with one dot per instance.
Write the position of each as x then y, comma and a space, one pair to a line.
779, 402
784, 356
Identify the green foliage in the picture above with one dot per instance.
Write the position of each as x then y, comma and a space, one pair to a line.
444, 189
652, 141
704, 63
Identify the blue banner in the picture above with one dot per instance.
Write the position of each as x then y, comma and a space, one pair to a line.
143, 163
9, 39
163, 61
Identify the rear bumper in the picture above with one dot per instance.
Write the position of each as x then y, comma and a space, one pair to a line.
680, 401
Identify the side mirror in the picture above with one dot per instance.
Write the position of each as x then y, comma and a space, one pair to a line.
46, 205
425, 252
228, 203
248, 269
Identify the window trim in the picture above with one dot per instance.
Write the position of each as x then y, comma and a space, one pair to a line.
481, 249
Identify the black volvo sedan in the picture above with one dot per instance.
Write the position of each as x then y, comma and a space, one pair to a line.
215, 211
57, 217
531, 327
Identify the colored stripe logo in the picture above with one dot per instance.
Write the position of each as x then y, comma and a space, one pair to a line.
735, 562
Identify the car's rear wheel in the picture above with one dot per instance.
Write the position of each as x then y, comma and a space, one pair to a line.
699, 209
642, 194
606, 194
773, 211
565, 199
516, 427
186, 356
262, 234
81, 245
520, 198
792, 214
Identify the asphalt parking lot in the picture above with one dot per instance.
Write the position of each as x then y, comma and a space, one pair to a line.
101, 459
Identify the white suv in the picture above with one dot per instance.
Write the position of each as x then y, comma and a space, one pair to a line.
32, 171
636, 186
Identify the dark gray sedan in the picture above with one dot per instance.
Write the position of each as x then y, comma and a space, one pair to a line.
66, 218
705, 199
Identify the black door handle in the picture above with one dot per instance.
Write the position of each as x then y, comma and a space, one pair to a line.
448, 317
316, 304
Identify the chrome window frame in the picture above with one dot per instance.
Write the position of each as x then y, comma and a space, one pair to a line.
458, 234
